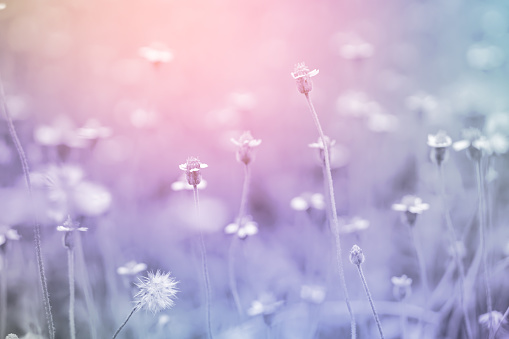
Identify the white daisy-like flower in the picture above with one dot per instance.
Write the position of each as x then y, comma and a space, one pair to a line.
192, 168
412, 204
354, 224
94, 130
474, 142
131, 268
313, 293
439, 140
70, 225
156, 53
247, 228
302, 76
157, 292
8, 234
246, 143
266, 304
307, 200
402, 287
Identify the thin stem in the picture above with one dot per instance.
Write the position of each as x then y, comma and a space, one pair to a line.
423, 274
482, 234
37, 229
206, 277
70, 264
231, 275
334, 216
403, 321
453, 239
125, 322
245, 191
501, 321
375, 315
3, 293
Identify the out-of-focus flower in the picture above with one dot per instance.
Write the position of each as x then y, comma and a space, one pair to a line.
357, 104
402, 287
411, 206
70, 226
421, 102
266, 304
243, 101
497, 123
306, 201
94, 130
246, 143
439, 144
313, 293
68, 192
356, 255
3, 6
60, 132
142, 118
157, 292
131, 268
496, 319
7, 233
10, 335
485, 57
499, 143
182, 184
157, 53
382, 122
193, 167
475, 143
162, 321
243, 229
357, 50
354, 224
302, 76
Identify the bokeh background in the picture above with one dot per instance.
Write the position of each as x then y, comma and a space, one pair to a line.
390, 74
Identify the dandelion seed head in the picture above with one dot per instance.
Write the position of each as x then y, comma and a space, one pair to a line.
356, 255
157, 292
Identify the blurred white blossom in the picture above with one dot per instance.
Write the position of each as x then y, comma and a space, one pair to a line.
131, 268
308, 200
243, 229
156, 53
313, 293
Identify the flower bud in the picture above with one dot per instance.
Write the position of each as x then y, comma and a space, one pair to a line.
356, 255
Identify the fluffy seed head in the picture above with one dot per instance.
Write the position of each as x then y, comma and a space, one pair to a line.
157, 292
356, 255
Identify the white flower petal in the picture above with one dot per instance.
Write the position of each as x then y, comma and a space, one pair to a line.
183, 167
63, 229
204, 165
461, 145
399, 207
250, 228
313, 73
231, 228
299, 204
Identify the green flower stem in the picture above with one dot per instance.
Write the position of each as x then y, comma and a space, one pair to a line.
375, 315
334, 216
482, 239
37, 227
70, 264
206, 277
135, 308
453, 239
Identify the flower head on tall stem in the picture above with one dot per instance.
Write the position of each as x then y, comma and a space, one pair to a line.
192, 169
302, 76
131, 268
8, 235
411, 206
401, 287
157, 292
439, 144
242, 228
475, 143
246, 144
319, 145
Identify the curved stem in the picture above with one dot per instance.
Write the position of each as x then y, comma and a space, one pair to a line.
453, 239
375, 315
422, 270
482, 245
125, 322
334, 216
3, 293
37, 228
70, 264
231, 275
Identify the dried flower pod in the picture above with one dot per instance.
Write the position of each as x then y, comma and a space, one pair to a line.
302, 76
246, 143
356, 255
192, 168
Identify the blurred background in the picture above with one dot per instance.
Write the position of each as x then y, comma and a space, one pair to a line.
109, 97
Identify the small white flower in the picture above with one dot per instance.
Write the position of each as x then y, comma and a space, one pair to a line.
8, 234
313, 293
319, 144
356, 255
308, 200
496, 319
302, 76
192, 168
247, 228
246, 143
473, 140
354, 224
402, 287
156, 53
439, 140
266, 304
131, 268
157, 292
70, 225
61, 132
94, 130
412, 204
421, 102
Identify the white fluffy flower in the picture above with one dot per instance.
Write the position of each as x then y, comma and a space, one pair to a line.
157, 292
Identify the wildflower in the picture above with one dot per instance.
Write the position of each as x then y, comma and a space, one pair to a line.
402, 287
60, 133
182, 184
306, 201
320, 146
476, 144
266, 305
439, 144
9, 234
157, 292
313, 293
157, 53
246, 144
499, 143
356, 255
421, 102
412, 206
354, 224
4, 6
192, 168
93, 130
131, 268
302, 76
69, 227
496, 318
382, 122
243, 229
